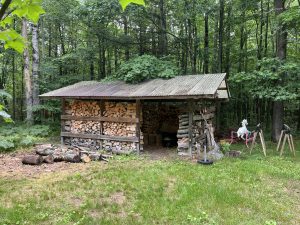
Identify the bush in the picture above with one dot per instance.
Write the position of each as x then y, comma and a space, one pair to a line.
13, 136
145, 67
225, 146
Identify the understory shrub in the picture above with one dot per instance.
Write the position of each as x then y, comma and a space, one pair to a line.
13, 136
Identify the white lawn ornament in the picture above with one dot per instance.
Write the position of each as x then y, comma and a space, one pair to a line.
243, 131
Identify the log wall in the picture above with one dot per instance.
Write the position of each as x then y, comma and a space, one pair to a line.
194, 122
102, 125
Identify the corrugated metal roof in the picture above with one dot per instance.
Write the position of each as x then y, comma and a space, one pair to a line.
188, 86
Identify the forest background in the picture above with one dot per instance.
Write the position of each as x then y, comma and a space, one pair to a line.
255, 42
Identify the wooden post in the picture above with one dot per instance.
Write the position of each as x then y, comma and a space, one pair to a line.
190, 108
253, 141
102, 107
293, 146
263, 144
138, 125
284, 140
62, 122
278, 145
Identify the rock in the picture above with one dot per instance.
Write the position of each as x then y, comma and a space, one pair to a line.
215, 154
233, 153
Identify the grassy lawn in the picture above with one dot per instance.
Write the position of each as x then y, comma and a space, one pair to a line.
132, 190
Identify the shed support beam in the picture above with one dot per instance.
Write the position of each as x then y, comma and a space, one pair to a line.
62, 122
190, 125
102, 108
138, 125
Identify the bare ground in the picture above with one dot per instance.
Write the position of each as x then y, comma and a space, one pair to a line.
11, 166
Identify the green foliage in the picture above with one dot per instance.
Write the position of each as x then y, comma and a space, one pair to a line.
291, 17
225, 147
3, 114
27, 141
13, 136
29, 9
13, 40
125, 3
145, 67
270, 222
274, 80
6, 144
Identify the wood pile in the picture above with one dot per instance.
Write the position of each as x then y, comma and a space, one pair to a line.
198, 122
109, 109
48, 153
83, 108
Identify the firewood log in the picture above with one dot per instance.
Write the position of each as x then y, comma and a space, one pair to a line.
85, 158
183, 131
32, 159
182, 135
48, 159
58, 157
70, 157
44, 152
121, 152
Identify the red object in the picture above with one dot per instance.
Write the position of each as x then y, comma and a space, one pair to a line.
235, 139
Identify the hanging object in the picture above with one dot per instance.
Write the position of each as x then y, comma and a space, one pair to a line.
208, 140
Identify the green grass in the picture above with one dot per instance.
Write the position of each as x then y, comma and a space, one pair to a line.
132, 190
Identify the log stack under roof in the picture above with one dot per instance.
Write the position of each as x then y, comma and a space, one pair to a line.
199, 116
103, 119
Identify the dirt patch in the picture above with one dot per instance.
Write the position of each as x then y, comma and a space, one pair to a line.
159, 153
76, 202
11, 166
95, 213
118, 198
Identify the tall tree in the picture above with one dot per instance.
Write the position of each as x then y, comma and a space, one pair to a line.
281, 45
27, 74
35, 65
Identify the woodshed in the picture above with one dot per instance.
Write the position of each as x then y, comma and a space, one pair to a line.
122, 117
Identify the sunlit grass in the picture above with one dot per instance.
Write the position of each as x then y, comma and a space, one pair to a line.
252, 189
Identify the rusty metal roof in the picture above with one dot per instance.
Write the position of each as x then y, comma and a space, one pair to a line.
179, 87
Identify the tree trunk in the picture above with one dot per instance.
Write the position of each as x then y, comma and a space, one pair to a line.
221, 27
35, 65
126, 34
27, 75
162, 37
228, 42
242, 41
206, 44
267, 29
281, 45
260, 42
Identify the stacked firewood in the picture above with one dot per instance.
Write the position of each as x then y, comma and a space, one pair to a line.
48, 153
87, 127
93, 109
83, 108
200, 117
120, 109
